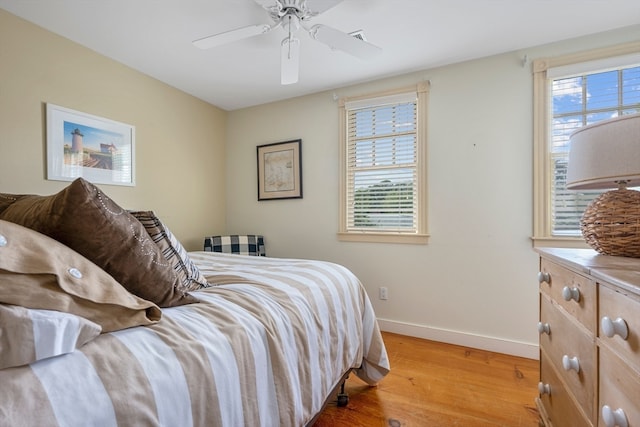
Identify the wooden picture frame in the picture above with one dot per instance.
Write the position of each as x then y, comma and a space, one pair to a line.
82, 145
280, 170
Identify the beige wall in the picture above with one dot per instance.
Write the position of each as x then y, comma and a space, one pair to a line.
179, 139
475, 282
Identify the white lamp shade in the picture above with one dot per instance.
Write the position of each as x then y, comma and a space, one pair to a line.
604, 153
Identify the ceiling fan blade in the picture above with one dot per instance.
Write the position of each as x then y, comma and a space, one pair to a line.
231, 36
272, 6
289, 60
336, 39
318, 6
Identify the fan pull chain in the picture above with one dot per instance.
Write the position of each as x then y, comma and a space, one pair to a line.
289, 44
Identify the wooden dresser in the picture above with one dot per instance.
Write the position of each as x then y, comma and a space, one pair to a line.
589, 339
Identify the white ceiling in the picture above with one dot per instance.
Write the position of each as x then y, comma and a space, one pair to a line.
154, 37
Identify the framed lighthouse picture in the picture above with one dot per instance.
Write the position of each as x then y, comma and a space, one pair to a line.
83, 145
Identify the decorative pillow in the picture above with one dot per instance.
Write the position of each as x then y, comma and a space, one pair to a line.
29, 335
190, 277
85, 219
7, 200
41, 273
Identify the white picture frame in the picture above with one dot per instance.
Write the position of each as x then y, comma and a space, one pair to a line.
100, 150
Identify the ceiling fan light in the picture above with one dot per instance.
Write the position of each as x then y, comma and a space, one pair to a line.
289, 60
291, 23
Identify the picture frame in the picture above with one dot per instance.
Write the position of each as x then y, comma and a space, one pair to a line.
97, 149
280, 170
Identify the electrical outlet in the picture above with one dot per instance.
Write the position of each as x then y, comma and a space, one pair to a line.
383, 293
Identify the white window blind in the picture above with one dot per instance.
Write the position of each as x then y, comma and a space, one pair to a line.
582, 94
382, 164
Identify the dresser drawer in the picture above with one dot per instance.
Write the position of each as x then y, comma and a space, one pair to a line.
619, 388
565, 343
559, 408
622, 313
574, 292
605, 390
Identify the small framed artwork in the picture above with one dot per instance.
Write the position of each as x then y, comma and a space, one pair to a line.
82, 145
280, 170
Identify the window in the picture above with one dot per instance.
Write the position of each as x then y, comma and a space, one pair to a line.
569, 93
383, 173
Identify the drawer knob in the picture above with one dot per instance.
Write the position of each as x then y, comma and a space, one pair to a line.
571, 294
614, 418
544, 388
544, 277
569, 363
544, 328
614, 327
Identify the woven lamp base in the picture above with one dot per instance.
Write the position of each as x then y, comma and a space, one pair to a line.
611, 223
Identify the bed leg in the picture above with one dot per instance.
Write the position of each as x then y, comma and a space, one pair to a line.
343, 398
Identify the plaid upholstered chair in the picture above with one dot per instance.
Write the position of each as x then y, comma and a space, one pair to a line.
242, 244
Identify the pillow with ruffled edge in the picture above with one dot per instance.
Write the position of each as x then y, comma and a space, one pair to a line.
85, 219
38, 272
173, 251
28, 335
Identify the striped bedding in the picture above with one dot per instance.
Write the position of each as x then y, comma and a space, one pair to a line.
263, 348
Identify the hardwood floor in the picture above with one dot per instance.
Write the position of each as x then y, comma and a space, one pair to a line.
433, 384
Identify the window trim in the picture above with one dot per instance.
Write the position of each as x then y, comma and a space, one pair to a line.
421, 237
541, 165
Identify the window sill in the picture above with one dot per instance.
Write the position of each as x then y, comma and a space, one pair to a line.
560, 242
368, 237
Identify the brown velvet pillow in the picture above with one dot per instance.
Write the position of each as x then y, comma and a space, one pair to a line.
83, 218
7, 200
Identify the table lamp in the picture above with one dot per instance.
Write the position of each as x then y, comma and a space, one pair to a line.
606, 155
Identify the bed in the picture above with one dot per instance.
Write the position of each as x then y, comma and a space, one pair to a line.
236, 340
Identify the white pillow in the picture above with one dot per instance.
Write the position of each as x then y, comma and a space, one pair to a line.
28, 335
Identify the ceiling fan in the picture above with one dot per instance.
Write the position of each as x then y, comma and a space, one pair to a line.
290, 15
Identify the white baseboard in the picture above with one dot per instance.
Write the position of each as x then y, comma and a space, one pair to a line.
497, 345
